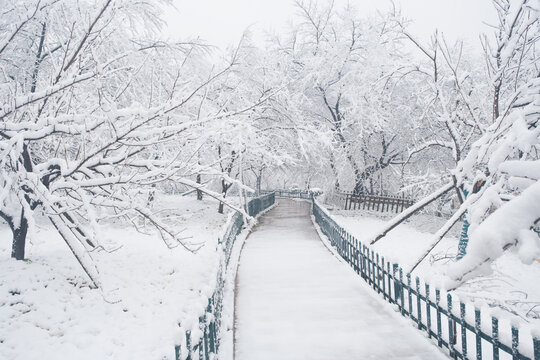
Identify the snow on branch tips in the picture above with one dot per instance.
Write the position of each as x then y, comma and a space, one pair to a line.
506, 213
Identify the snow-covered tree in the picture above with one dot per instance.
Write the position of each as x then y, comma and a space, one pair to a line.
340, 64
93, 113
501, 170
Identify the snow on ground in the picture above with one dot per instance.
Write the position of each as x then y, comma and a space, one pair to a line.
511, 285
296, 300
47, 310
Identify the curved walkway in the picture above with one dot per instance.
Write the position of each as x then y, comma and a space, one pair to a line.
295, 300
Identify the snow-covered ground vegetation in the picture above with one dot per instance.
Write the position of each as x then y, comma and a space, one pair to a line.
48, 309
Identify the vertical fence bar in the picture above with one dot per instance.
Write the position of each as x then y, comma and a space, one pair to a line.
389, 282
438, 308
201, 350
366, 251
401, 293
428, 311
204, 340
450, 326
478, 330
515, 343
212, 328
362, 261
177, 352
378, 274
462, 313
409, 295
396, 285
358, 257
188, 345
383, 279
495, 337
418, 304
373, 270
536, 347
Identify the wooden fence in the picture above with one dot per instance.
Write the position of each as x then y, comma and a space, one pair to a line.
376, 202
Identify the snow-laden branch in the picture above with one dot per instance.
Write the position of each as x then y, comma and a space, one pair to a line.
410, 211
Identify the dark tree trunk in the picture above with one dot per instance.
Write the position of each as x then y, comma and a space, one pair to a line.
224, 188
19, 232
19, 239
337, 187
199, 192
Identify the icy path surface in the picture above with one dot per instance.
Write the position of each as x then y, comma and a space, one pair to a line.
296, 301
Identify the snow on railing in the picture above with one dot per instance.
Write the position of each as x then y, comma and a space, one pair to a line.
203, 340
466, 331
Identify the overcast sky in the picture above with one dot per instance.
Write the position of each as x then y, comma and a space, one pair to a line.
222, 22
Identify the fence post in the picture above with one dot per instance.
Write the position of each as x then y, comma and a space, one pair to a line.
188, 344
515, 343
462, 312
450, 326
396, 285
401, 293
409, 297
378, 273
418, 303
389, 281
439, 325
495, 336
478, 329
383, 279
428, 311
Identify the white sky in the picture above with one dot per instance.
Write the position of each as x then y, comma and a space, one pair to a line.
222, 22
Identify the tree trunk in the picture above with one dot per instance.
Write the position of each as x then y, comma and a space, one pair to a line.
19, 238
199, 192
224, 188
334, 170
220, 208
259, 181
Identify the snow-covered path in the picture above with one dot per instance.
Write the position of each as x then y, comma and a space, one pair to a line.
296, 300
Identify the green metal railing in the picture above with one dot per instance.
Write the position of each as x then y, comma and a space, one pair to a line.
461, 328
203, 342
